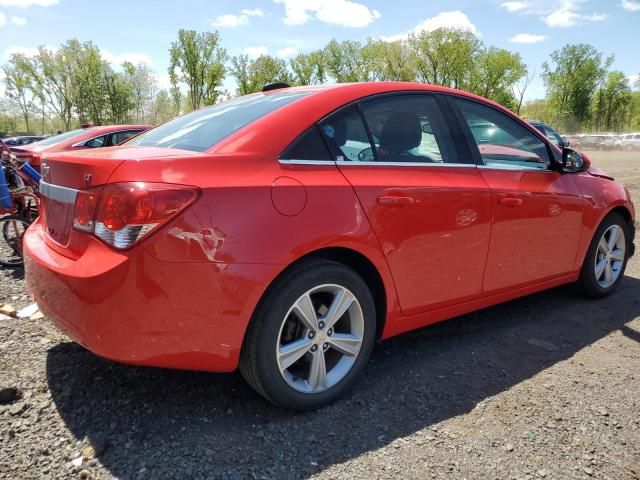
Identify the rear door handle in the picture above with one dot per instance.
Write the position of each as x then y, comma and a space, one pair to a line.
510, 202
395, 200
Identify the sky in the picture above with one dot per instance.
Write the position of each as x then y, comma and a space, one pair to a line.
142, 30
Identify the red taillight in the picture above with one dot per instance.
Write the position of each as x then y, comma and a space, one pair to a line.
126, 212
85, 209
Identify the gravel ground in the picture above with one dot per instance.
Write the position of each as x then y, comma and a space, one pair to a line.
547, 386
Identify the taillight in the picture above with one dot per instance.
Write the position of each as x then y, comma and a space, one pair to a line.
85, 210
123, 213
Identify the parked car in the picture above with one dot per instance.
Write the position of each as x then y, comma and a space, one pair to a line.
630, 141
549, 132
22, 140
91, 137
597, 142
253, 234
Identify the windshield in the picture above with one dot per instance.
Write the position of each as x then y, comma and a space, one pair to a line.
202, 129
61, 137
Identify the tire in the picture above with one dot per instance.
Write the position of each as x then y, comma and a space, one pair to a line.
277, 327
592, 284
12, 228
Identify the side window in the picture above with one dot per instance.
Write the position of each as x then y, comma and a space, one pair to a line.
553, 136
347, 136
409, 128
118, 137
502, 141
308, 146
96, 142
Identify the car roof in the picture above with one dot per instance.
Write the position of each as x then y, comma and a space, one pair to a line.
319, 102
114, 128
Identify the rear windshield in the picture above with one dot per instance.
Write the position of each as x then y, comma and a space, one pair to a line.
61, 137
202, 129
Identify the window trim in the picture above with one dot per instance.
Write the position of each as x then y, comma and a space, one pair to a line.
473, 145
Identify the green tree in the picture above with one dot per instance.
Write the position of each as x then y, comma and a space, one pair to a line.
144, 84
198, 60
18, 87
390, 60
344, 62
163, 108
87, 73
612, 103
120, 97
446, 57
252, 75
571, 79
240, 71
497, 71
308, 68
51, 75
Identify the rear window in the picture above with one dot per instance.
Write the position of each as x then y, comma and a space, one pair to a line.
202, 129
61, 137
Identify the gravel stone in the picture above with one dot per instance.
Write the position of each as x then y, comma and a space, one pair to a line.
444, 402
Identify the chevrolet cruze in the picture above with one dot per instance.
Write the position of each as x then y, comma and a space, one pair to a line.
284, 232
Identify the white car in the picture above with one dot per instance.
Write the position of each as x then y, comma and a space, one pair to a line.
631, 141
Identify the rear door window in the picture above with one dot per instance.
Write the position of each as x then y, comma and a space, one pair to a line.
409, 128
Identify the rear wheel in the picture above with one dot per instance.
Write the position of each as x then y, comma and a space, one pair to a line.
12, 230
311, 337
606, 259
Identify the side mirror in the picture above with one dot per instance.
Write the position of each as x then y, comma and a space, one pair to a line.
573, 161
565, 142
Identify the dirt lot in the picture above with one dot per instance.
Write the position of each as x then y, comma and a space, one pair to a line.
543, 387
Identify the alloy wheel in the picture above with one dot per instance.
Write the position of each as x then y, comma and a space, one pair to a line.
610, 256
320, 338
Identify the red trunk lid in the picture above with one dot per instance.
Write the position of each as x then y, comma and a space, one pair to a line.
66, 172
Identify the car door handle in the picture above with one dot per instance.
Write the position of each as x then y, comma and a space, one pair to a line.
510, 202
395, 200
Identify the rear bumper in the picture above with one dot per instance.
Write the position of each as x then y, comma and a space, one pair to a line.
135, 309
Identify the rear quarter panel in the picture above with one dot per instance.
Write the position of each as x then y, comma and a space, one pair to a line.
236, 222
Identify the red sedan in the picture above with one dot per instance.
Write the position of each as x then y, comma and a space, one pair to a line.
91, 137
285, 231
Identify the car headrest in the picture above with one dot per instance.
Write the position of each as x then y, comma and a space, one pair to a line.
402, 131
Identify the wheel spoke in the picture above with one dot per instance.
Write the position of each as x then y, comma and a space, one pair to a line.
306, 313
340, 304
618, 254
603, 247
600, 266
613, 238
608, 273
318, 370
292, 352
346, 343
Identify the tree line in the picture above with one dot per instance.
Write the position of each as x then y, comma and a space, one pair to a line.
74, 84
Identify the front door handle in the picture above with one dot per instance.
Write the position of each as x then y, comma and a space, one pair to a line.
395, 200
510, 202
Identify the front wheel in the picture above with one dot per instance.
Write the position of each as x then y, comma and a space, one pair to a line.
311, 337
606, 259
